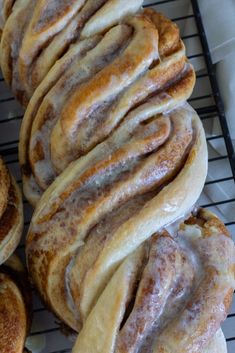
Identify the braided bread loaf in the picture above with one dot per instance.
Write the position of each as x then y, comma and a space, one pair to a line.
104, 205
11, 213
15, 306
140, 62
169, 296
115, 155
36, 33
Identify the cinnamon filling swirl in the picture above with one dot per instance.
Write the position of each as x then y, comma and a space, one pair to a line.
169, 313
42, 32
116, 78
116, 180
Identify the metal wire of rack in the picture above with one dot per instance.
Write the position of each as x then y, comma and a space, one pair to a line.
207, 101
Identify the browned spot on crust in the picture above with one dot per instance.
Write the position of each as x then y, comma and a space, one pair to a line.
184, 83
39, 151
193, 220
209, 223
169, 35
21, 96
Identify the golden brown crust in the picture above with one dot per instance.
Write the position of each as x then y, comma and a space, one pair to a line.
170, 80
11, 218
15, 306
12, 318
82, 98
169, 33
113, 77
75, 53
141, 51
38, 33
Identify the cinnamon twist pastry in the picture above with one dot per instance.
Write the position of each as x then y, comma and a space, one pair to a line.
170, 296
38, 32
140, 62
11, 213
15, 306
104, 205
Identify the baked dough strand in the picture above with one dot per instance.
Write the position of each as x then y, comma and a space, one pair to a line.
127, 179
180, 299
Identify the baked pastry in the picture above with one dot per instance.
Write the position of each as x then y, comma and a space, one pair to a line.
38, 32
109, 137
140, 62
170, 296
5, 11
15, 306
105, 204
11, 213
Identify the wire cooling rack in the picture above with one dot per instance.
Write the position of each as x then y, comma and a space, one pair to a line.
46, 335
